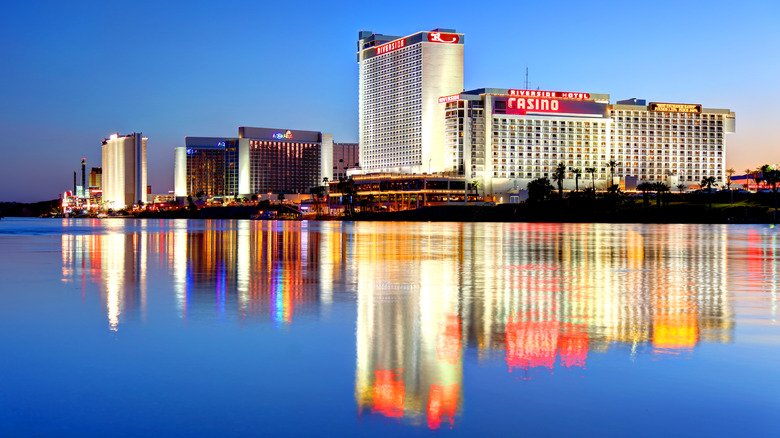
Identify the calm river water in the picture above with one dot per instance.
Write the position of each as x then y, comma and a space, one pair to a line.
248, 328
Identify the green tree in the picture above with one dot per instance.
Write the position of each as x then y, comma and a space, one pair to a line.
539, 189
772, 177
730, 172
708, 181
645, 187
577, 173
659, 188
611, 164
559, 174
592, 172
476, 185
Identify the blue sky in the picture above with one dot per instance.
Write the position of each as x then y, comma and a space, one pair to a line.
75, 72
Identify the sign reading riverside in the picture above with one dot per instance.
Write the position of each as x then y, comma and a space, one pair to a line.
389, 47
450, 98
558, 94
526, 105
675, 107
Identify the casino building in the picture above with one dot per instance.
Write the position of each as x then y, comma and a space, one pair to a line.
401, 124
259, 160
506, 138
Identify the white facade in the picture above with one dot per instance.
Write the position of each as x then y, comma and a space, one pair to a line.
677, 147
401, 123
124, 170
504, 152
675, 144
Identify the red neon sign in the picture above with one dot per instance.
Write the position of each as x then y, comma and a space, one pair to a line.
554, 94
438, 37
531, 104
450, 98
389, 47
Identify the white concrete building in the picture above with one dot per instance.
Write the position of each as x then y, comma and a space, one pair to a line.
401, 123
677, 144
124, 170
506, 138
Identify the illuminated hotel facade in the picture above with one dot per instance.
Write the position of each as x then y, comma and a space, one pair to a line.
401, 124
260, 160
507, 138
124, 170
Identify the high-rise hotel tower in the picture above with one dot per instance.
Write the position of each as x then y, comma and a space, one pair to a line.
124, 170
401, 126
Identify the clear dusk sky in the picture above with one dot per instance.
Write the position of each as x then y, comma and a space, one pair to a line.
72, 73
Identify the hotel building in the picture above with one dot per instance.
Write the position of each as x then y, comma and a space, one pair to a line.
506, 138
124, 170
670, 143
401, 124
260, 160
345, 156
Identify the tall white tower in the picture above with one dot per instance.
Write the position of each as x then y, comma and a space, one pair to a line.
124, 170
401, 79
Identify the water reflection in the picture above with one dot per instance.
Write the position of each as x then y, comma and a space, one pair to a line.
535, 298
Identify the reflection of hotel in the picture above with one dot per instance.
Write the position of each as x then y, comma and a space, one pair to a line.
409, 360
118, 263
537, 296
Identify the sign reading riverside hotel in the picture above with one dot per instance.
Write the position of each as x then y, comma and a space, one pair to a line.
675, 107
450, 98
389, 47
529, 105
555, 94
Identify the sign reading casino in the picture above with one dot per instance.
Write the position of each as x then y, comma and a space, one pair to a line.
675, 107
526, 105
553, 94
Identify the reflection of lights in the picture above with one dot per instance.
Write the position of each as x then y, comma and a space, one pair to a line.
389, 393
531, 344
442, 404
675, 332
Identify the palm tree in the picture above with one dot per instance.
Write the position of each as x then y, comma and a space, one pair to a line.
592, 172
612, 164
559, 174
577, 173
680, 187
659, 188
730, 172
645, 187
748, 173
476, 185
772, 177
708, 181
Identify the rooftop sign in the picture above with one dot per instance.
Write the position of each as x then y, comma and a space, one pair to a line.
438, 37
675, 107
553, 94
450, 98
389, 47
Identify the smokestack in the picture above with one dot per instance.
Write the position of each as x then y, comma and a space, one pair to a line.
84, 176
